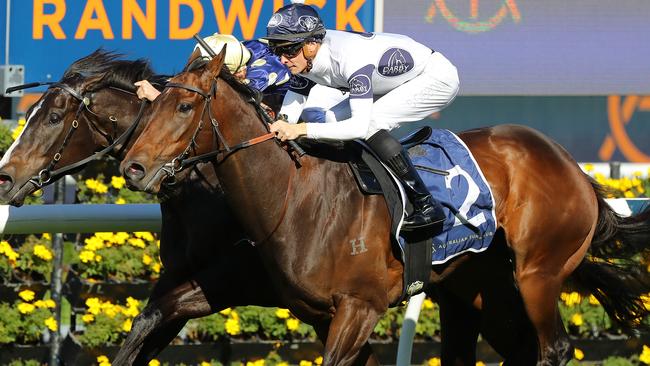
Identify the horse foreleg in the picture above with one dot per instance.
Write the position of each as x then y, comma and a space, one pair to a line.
366, 356
185, 302
348, 333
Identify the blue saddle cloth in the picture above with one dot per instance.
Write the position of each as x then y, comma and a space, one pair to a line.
464, 193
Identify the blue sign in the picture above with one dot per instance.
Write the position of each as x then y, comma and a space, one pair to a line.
48, 35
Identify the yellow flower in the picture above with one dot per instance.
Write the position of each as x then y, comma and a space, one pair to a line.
645, 355
146, 259
154, 362
282, 313
26, 308
593, 300
8, 251
120, 201
292, 324
283, 363
42, 252
27, 295
318, 360
305, 363
126, 326
578, 354
98, 258
225, 312
51, 324
646, 301
577, 319
88, 318
118, 182
137, 242
232, 326
46, 236
86, 256
203, 363
94, 305
156, 267
480, 363
571, 299
434, 362
588, 167
121, 237
103, 361
427, 304
19, 128
629, 194
144, 235
94, 243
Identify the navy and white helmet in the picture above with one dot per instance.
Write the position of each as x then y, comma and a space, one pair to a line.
295, 23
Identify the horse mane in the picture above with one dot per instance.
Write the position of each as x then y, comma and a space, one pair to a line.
112, 70
244, 90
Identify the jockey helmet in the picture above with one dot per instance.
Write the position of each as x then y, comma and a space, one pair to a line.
294, 24
236, 54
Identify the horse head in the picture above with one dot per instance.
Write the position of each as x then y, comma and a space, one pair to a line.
183, 121
92, 104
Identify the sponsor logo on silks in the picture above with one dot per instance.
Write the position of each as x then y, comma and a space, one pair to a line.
308, 22
275, 20
299, 83
359, 86
395, 62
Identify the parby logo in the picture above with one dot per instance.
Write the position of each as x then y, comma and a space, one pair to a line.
359, 85
473, 23
621, 111
395, 62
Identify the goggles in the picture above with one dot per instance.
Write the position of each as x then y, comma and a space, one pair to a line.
288, 51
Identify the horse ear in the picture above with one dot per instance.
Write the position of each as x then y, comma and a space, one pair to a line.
196, 54
217, 61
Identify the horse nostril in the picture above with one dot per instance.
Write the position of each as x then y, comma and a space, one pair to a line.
134, 171
6, 182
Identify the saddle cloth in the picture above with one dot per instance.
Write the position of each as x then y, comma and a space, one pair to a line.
464, 193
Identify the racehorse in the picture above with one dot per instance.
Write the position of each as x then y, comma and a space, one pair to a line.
304, 214
198, 251
187, 287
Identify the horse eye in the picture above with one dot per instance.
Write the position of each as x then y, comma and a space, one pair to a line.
184, 107
54, 118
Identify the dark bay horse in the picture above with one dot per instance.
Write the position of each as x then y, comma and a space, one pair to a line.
305, 215
204, 267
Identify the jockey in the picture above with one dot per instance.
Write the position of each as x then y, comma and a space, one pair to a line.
391, 79
251, 62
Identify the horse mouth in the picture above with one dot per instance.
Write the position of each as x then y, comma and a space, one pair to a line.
16, 196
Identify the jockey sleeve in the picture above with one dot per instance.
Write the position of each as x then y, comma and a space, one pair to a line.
361, 100
264, 69
292, 105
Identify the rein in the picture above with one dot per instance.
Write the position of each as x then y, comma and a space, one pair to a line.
46, 175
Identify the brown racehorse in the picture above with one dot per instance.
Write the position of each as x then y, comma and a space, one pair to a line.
191, 255
303, 217
205, 261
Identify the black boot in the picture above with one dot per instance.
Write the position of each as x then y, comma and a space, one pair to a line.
427, 213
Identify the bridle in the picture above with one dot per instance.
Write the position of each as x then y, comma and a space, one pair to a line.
181, 161
48, 174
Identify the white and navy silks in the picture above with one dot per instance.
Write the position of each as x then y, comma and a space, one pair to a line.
390, 78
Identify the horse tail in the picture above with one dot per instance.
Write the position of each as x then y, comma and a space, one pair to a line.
618, 282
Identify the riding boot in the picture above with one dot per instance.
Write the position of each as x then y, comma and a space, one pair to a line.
427, 212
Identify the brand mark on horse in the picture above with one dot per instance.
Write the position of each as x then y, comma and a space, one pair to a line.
358, 248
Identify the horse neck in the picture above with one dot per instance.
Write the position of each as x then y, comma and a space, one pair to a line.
256, 178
